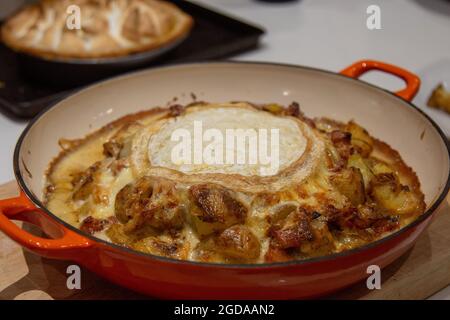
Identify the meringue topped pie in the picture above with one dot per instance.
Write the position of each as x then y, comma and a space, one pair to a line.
106, 28
168, 182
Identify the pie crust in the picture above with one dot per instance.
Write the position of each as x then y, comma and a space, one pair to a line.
109, 28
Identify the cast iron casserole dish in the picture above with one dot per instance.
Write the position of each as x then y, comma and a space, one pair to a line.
388, 115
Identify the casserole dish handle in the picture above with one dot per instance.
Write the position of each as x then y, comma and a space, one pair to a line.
412, 81
63, 244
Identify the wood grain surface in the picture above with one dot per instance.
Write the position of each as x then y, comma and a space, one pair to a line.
421, 272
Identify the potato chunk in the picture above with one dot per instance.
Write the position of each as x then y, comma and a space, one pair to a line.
393, 197
238, 242
357, 161
150, 201
349, 182
361, 139
378, 166
215, 208
163, 246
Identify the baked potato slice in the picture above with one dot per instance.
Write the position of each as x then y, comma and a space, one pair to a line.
238, 242
215, 208
150, 201
391, 196
361, 140
350, 183
357, 161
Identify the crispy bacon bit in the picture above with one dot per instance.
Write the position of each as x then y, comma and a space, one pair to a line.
336, 166
275, 254
112, 149
309, 122
167, 248
292, 231
385, 225
92, 225
368, 217
293, 110
83, 182
118, 165
338, 219
342, 142
50, 188
217, 204
176, 110
315, 215
338, 136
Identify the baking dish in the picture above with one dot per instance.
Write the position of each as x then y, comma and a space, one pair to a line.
388, 116
54, 71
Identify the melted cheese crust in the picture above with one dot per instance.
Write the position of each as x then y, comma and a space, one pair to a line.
253, 125
331, 193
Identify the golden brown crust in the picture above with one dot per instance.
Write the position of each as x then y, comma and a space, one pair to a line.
360, 191
181, 29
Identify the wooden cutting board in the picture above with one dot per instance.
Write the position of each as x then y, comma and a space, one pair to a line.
421, 272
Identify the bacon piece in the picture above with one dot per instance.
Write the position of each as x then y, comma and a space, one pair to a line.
292, 231
275, 254
338, 136
342, 142
83, 182
176, 110
112, 149
93, 225
293, 110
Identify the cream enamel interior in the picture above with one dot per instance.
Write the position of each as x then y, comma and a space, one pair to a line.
319, 94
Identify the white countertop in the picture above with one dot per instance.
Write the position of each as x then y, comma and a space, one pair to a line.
326, 34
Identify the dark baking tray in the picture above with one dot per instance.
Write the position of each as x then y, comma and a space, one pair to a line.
214, 36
